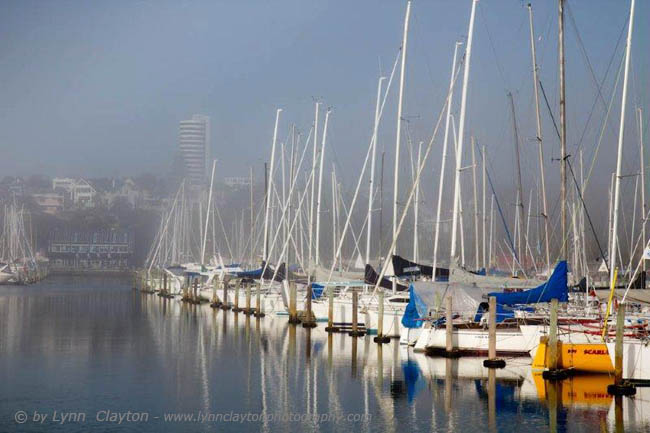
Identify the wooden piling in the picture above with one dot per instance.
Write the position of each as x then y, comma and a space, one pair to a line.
248, 311
355, 315
164, 283
293, 313
552, 337
330, 311
620, 386
215, 301
380, 338
236, 308
224, 302
553, 372
308, 320
492, 361
258, 309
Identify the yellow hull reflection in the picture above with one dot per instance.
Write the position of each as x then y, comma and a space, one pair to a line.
580, 390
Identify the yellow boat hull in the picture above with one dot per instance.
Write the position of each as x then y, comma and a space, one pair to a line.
582, 357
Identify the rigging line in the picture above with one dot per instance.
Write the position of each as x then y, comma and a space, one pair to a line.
583, 51
575, 181
494, 51
496, 199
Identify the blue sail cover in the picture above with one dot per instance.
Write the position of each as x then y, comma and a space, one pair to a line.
415, 310
554, 288
316, 290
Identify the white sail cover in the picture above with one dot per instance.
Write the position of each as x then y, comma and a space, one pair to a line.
462, 276
322, 274
466, 299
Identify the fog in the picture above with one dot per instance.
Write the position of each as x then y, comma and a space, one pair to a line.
97, 89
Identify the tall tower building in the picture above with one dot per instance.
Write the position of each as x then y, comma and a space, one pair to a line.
194, 144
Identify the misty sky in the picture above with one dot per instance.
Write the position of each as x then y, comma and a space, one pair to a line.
96, 88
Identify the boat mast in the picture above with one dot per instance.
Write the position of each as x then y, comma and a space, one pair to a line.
334, 203
415, 212
371, 191
563, 205
484, 215
441, 182
643, 206
207, 214
270, 187
540, 147
621, 133
252, 220
520, 192
476, 249
313, 189
398, 137
320, 188
461, 131
489, 264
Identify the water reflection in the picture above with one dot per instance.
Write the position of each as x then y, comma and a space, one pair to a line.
88, 344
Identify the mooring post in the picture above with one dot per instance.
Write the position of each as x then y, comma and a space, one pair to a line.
380, 338
553, 372
308, 322
224, 302
248, 310
196, 290
493, 361
552, 337
449, 327
213, 302
355, 315
293, 314
618, 350
236, 308
164, 283
258, 310
330, 310
620, 387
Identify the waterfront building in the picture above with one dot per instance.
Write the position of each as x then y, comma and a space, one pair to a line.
106, 250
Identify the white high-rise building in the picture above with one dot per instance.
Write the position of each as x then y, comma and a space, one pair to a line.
194, 144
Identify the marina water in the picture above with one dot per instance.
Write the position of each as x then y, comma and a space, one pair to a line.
92, 354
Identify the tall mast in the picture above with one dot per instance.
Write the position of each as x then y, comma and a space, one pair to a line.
621, 133
415, 211
252, 220
489, 264
334, 203
563, 204
461, 130
520, 192
207, 214
270, 187
484, 215
643, 205
441, 182
371, 190
320, 187
398, 137
539, 138
476, 249
313, 188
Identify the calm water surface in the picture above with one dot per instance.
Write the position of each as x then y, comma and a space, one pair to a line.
86, 351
